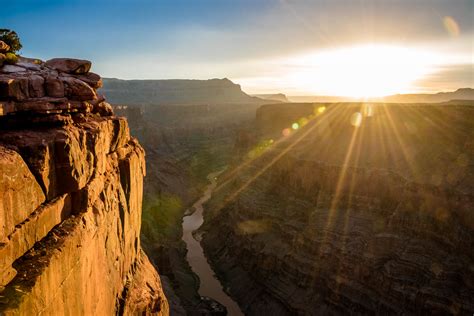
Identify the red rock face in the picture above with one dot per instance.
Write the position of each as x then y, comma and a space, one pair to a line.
71, 186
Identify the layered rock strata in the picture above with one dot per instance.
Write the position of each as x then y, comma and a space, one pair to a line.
71, 186
365, 209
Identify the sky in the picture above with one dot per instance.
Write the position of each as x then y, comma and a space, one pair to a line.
324, 47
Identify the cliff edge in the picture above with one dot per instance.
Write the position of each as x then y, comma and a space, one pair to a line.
71, 186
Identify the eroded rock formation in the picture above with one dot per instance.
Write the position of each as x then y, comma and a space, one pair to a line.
71, 186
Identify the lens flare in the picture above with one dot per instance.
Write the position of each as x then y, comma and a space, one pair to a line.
303, 121
295, 126
368, 110
451, 26
320, 110
356, 119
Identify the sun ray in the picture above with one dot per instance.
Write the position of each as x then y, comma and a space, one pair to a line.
349, 207
398, 138
339, 184
291, 144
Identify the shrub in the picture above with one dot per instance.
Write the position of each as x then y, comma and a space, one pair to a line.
11, 38
10, 58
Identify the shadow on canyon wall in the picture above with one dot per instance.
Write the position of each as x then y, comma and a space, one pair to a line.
349, 208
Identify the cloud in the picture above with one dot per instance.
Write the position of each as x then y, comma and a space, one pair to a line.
447, 78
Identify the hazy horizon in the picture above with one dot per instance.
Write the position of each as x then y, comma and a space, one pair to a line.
336, 48
288, 95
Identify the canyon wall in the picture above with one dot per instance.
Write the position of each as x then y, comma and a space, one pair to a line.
183, 145
71, 187
360, 209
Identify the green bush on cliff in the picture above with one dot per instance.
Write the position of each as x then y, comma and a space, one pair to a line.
11, 39
10, 58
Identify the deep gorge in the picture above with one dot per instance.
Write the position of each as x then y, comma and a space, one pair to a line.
336, 223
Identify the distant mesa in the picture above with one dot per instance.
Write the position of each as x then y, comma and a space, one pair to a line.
176, 92
277, 97
461, 94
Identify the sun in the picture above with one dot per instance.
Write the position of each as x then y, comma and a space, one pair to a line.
361, 71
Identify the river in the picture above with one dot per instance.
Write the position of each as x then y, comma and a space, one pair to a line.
209, 284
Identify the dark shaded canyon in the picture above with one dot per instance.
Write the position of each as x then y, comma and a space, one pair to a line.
364, 209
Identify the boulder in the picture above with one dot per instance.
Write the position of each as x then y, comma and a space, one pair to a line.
16, 89
12, 69
91, 79
4, 47
104, 109
69, 65
36, 86
29, 65
78, 90
54, 87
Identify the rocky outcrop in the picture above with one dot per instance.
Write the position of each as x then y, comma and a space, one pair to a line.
71, 187
365, 209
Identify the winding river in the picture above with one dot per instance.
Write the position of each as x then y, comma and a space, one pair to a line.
209, 284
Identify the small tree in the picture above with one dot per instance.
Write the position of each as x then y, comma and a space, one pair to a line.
11, 39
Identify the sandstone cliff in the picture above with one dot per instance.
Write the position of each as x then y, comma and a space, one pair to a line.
364, 209
71, 186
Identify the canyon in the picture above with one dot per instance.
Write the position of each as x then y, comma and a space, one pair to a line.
184, 144
324, 208
236, 158
71, 190
359, 208
335, 217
